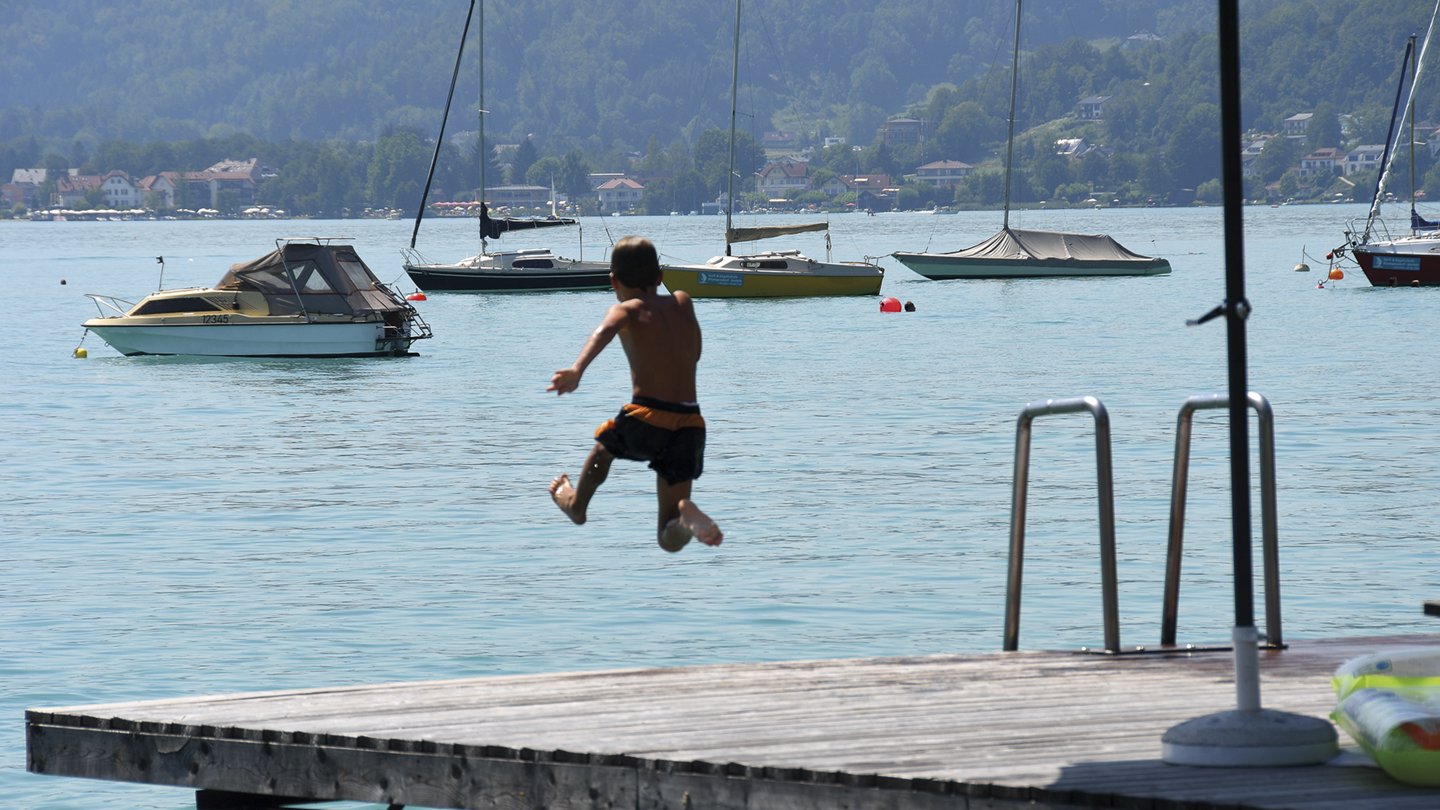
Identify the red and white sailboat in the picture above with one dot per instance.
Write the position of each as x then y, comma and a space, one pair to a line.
1413, 258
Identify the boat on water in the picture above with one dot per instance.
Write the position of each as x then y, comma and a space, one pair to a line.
769, 274
307, 298
1017, 253
1413, 258
524, 270
530, 270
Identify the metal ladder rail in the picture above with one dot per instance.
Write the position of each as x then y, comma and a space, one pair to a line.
1106, 492
1269, 531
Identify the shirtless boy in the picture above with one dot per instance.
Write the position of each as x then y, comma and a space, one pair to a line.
662, 423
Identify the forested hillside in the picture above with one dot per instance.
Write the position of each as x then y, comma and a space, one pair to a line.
342, 95
592, 74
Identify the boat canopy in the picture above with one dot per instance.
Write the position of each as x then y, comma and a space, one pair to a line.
1013, 244
304, 277
771, 231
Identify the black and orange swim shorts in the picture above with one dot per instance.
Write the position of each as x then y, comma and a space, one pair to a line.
669, 435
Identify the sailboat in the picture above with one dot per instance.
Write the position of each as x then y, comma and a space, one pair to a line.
529, 270
1405, 261
1017, 253
770, 274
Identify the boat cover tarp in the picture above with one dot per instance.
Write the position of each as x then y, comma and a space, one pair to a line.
771, 231
1014, 244
491, 228
330, 280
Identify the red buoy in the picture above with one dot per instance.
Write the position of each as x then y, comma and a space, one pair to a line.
890, 305
416, 296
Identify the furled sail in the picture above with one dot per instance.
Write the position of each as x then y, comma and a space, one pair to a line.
771, 231
491, 228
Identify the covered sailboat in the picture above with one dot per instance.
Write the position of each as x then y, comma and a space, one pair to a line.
527, 270
1016, 253
769, 274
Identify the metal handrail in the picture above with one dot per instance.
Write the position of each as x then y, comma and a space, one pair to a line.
1269, 532
1105, 476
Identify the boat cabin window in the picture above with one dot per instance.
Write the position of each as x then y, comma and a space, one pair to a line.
542, 264
356, 271
165, 306
309, 279
768, 264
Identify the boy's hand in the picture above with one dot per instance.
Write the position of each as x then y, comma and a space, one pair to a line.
564, 381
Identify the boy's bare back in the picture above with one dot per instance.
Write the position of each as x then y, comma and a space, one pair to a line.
662, 342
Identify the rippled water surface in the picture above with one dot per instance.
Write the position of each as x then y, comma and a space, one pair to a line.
177, 527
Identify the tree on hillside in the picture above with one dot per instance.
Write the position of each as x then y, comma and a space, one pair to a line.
1324, 129
966, 133
520, 162
1193, 152
397, 171
712, 158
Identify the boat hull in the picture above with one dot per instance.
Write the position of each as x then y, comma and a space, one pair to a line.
252, 340
519, 271
710, 281
1403, 263
940, 267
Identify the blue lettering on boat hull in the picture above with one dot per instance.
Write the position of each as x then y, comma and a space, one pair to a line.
721, 279
1382, 262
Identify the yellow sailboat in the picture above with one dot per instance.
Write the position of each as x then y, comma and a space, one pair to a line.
770, 274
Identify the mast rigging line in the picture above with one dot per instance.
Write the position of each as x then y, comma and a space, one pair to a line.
440, 139
1405, 114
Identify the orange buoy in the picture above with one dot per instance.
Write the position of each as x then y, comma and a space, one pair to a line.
1336, 273
416, 296
890, 305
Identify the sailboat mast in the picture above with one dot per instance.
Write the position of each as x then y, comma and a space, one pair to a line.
1010, 135
444, 117
730, 170
480, 116
1411, 114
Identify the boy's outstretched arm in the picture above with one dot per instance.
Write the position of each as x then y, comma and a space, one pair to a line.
566, 380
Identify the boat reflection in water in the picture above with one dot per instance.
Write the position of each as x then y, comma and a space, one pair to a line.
307, 298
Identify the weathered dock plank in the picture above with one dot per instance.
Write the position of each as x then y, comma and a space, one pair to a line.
976, 731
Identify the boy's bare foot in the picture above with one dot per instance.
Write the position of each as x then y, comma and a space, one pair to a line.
563, 494
674, 536
699, 523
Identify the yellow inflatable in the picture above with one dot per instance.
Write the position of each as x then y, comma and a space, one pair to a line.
1390, 704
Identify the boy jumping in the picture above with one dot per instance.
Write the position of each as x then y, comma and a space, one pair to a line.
662, 423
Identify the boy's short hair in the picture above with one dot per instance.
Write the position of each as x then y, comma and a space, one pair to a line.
634, 263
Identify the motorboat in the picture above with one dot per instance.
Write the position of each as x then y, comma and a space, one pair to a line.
306, 298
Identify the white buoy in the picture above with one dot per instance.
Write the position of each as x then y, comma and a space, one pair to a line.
1302, 267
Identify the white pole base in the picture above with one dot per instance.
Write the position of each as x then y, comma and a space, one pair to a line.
1250, 739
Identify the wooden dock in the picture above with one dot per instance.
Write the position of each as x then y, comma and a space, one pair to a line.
1002, 730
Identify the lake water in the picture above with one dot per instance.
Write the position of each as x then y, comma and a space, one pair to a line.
181, 527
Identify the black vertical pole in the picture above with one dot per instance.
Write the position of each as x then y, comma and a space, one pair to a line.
1237, 309
1250, 736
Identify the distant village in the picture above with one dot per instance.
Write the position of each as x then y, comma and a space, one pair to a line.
231, 188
